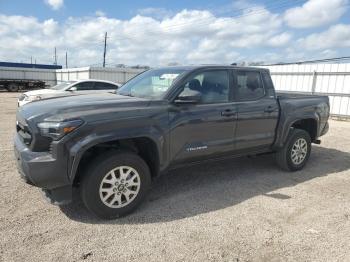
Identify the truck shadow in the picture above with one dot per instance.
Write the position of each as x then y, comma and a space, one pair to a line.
195, 190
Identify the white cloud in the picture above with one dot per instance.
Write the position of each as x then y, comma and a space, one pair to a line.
189, 37
336, 36
50, 27
315, 13
156, 12
54, 4
100, 13
280, 40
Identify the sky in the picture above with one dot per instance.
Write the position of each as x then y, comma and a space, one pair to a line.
161, 32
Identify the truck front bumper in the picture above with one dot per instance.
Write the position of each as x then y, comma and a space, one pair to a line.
40, 169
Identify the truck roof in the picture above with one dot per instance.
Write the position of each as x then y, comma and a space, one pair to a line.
194, 67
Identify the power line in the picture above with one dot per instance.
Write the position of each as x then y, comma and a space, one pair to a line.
334, 59
205, 21
178, 27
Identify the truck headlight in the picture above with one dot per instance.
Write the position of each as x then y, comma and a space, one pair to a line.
57, 130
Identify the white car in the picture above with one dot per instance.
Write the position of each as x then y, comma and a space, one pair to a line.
69, 88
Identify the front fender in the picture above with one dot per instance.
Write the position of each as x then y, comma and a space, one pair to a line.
77, 151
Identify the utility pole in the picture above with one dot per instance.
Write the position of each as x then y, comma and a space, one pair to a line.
104, 51
55, 56
31, 59
66, 60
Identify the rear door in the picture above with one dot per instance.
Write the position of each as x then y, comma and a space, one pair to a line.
206, 129
257, 110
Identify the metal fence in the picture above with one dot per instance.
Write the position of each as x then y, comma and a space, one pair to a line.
324, 79
332, 80
118, 75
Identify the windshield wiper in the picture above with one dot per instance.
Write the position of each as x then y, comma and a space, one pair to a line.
122, 94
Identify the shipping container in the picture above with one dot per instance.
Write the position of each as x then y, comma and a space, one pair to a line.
24, 77
27, 65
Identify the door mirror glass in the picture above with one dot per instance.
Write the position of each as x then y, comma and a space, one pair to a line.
188, 97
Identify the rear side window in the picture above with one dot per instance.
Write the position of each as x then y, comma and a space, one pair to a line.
248, 86
84, 86
105, 86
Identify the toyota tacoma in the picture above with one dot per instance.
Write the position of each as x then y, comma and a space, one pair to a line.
111, 146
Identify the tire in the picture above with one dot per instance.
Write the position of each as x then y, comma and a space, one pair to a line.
287, 158
101, 182
12, 87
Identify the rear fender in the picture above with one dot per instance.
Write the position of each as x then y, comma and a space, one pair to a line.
287, 121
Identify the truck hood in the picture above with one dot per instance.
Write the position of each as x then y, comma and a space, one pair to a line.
81, 106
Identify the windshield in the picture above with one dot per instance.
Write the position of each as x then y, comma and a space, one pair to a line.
62, 85
151, 84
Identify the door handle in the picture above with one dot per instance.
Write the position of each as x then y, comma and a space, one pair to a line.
228, 112
269, 109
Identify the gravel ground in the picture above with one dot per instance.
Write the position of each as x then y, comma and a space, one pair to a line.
239, 210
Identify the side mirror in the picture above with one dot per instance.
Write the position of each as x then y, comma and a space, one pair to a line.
72, 89
188, 97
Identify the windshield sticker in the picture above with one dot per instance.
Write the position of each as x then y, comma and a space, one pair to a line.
168, 76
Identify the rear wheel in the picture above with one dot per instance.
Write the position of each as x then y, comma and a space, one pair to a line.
296, 151
115, 184
12, 87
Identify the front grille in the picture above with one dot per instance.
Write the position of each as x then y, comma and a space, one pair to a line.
50, 148
33, 140
24, 132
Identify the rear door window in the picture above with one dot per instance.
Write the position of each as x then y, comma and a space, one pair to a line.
84, 86
248, 85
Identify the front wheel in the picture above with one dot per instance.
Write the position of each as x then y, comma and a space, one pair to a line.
115, 184
296, 151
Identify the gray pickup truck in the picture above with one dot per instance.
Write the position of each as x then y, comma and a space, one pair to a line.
111, 146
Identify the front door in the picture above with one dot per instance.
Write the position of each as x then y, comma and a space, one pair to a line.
204, 129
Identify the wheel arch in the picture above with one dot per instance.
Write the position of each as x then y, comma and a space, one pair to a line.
309, 125
308, 122
148, 148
